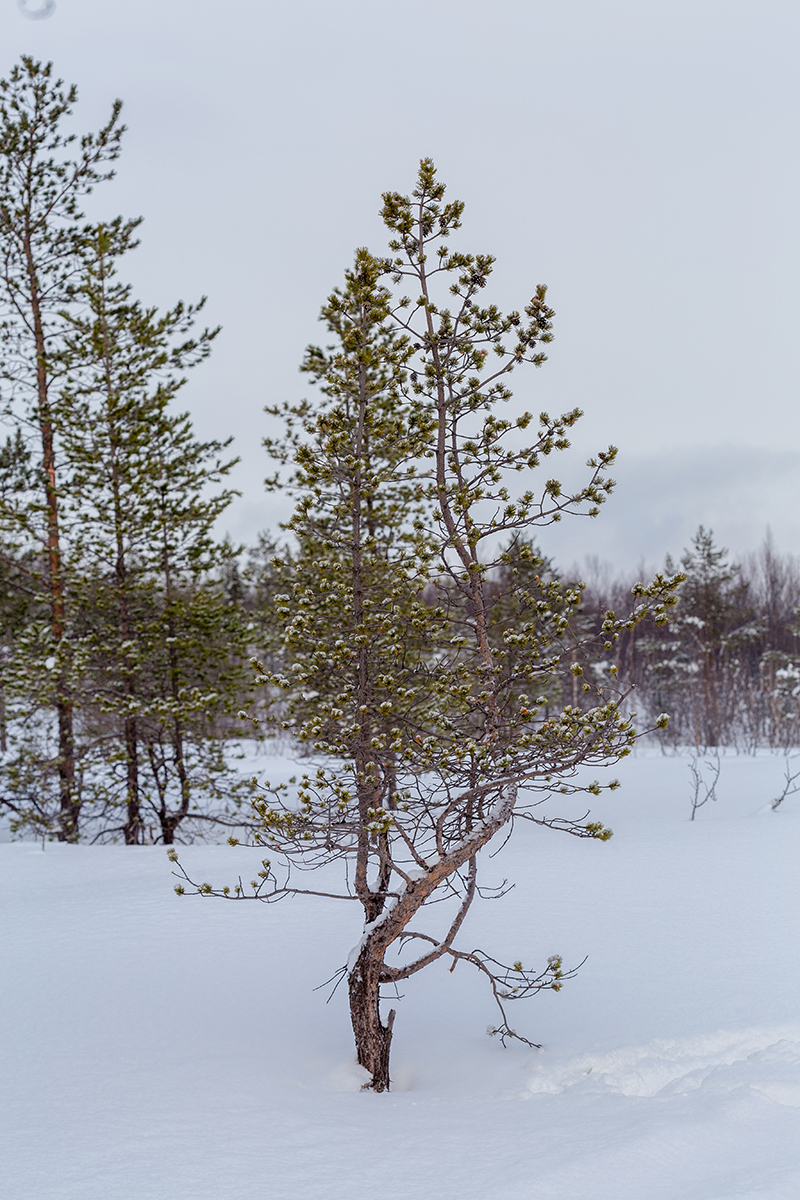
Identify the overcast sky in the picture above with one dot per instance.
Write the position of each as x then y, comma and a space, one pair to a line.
638, 156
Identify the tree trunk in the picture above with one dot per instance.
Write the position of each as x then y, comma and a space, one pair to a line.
170, 821
373, 1038
132, 829
133, 822
69, 803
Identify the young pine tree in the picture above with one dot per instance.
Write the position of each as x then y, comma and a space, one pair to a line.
702, 668
431, 708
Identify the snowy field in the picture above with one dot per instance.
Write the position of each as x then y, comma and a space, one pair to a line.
157, 1048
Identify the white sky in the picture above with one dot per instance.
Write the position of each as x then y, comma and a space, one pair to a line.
638, 156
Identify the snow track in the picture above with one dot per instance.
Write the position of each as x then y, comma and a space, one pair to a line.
765, 1061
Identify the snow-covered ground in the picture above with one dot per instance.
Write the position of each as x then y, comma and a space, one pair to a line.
157, 1048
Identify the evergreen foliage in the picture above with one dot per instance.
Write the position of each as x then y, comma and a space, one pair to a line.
161, 636
117, 623
429, 700
728, 667
44, 175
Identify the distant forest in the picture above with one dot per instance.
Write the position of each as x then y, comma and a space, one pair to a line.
727, 666
726, 669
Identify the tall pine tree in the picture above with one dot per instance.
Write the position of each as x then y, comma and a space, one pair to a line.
45, 173
160, 635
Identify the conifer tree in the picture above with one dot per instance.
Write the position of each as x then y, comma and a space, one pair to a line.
158, 632
256, 586
433, 713
44, 174
698, 668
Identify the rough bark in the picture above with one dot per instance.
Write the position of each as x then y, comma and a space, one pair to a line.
373, 1039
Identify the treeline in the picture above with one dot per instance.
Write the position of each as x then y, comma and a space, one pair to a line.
727, 666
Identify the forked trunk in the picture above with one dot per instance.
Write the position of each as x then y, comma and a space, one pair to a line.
373, 1038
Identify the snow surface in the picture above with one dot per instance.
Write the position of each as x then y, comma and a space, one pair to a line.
157, 1048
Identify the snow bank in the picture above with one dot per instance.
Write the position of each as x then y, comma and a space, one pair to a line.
163, 1049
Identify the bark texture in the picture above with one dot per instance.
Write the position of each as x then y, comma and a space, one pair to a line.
373, 1038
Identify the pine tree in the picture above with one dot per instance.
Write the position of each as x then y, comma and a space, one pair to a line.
358, 494
44, 174
158, 631
433, 712
700, 669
